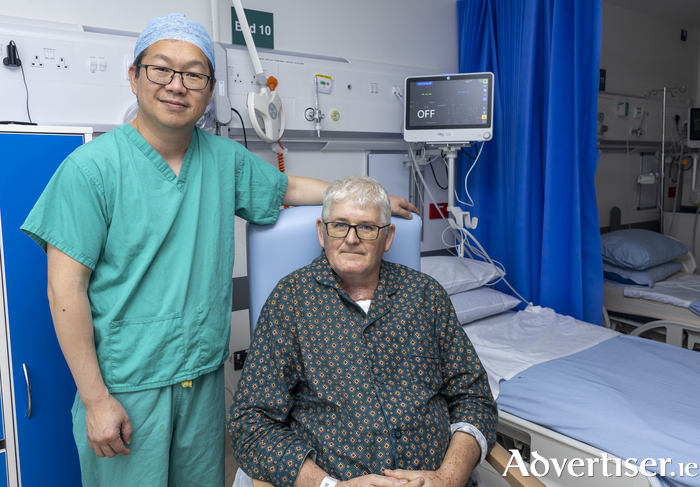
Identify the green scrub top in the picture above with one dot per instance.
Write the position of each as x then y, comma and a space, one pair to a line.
161, 248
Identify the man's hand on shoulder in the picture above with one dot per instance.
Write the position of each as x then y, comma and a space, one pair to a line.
373, 480
401, 207
108, 427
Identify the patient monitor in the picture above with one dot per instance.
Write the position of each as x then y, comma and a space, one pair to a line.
450, 111
450, 108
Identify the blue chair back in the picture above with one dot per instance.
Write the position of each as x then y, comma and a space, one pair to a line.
292, 242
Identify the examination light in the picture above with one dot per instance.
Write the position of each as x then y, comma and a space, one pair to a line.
264, 107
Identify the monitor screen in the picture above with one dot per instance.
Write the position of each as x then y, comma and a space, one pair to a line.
449, 108
694, 128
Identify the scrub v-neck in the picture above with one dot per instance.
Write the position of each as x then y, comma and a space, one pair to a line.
157, 160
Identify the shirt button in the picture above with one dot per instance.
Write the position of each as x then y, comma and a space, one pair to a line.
397, 434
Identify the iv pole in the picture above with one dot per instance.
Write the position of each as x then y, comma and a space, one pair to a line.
662, 190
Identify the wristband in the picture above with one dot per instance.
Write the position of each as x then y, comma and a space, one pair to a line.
329, 482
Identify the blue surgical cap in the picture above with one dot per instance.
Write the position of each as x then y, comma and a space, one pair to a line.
175, 27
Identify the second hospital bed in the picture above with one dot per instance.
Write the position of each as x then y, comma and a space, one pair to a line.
679, 325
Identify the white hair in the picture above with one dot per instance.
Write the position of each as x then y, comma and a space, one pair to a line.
358, 191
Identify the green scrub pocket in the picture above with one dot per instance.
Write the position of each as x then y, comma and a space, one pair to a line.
138, 347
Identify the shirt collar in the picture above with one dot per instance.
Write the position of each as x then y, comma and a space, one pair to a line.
388, 277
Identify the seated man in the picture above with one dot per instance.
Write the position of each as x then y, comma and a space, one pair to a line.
359, 372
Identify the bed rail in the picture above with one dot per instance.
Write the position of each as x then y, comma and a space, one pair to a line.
675, 332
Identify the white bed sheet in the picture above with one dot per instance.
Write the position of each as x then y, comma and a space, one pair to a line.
511, 342
679, 292
615, 300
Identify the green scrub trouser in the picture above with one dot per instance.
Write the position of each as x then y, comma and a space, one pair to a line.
177, 441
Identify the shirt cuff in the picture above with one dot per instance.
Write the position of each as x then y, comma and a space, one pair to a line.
472, 430
290, 464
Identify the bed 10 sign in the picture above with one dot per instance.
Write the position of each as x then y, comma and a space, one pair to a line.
261, 26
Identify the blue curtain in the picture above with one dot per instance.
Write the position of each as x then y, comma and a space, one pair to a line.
533, 187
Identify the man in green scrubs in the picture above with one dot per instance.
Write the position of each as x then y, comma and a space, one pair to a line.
138, 226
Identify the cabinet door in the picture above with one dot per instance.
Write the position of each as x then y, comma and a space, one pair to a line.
47, 452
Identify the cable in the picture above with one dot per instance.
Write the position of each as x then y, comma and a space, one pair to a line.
467, 153
9, 61
229, 384
695, 229
245, 139
26, 88
435, 178
460, 234
627, 177
280, 157
466, 178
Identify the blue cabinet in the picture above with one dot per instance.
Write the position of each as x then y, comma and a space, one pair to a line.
38, 426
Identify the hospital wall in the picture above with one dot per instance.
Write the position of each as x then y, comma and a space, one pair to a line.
403, 32
640, 53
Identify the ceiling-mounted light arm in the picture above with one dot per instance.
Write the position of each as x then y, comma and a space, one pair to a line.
265, 107
260, 78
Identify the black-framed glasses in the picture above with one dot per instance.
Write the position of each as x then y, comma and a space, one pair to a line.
164, 76
363, 231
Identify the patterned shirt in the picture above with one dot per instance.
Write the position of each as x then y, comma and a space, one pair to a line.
362, 392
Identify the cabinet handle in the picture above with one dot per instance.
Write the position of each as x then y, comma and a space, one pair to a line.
29, 391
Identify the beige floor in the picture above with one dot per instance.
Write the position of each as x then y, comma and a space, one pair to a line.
231, 465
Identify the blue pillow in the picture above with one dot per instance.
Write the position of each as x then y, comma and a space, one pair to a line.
647, 277
640, 249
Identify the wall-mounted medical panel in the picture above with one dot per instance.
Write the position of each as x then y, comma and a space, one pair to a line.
632, 119
79, 77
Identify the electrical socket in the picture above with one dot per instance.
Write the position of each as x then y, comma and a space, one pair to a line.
239, 359
37, 61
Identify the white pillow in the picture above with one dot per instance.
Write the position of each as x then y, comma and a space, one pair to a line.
457, 275
480, 303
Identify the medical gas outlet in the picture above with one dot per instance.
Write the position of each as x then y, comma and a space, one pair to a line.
322, 84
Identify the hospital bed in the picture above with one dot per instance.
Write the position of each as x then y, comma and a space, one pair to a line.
676, 325
276, 250
568, 389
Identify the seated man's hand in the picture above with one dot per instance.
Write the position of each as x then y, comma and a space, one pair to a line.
401, 207
373, 480
431, 478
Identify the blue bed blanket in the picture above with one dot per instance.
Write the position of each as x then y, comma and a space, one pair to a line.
631, 397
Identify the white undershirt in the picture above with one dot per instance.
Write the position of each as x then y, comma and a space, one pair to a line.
364, 304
